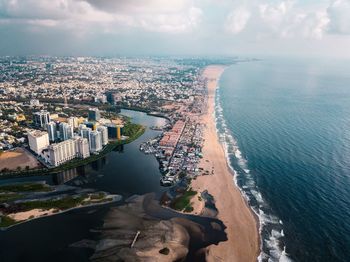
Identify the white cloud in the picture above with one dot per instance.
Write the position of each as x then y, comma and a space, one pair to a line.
339, 14
284, 19
111, 16
237, 20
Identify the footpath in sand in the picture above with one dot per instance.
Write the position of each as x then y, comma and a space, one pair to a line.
242, 232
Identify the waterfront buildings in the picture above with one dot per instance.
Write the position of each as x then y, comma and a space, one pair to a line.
66, 131
38, 141
85, 132
73, 121
52, 131
104, 134
41, 119
112, 130
94, 114
119, 131
62, 152
82, 147
171, 138
95, 141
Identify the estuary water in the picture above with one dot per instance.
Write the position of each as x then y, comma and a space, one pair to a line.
285, 125
127, 172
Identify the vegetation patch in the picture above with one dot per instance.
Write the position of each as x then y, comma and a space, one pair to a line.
62, 204
5, 197
6, 221
183, 203
26, 187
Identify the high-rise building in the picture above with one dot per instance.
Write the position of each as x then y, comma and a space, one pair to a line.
73, 121
104, 134
66, 131
95, 141
62, 152
82, 147
94, 114
52, 130
119, 131
41, 119
112, 130
85, 132
38, 141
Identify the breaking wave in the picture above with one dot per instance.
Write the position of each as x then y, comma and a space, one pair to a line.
270, 226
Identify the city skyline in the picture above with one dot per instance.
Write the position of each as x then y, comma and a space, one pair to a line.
178, 27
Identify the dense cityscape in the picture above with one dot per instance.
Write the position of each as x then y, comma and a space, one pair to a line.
61, 108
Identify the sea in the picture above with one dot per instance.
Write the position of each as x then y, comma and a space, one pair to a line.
285, 125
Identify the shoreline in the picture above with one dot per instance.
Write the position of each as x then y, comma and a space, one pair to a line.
115, 198
242, 224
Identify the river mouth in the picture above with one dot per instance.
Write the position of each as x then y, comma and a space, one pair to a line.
142, 229
52, 238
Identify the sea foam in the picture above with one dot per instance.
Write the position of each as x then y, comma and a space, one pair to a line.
270, 226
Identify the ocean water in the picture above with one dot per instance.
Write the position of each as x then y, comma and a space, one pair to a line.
285, 124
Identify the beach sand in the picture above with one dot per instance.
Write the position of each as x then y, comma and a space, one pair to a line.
242, 229
34, 213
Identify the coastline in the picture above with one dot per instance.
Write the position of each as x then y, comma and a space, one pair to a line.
234, 212
115, 198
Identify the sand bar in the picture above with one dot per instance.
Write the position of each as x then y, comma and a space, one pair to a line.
242, 229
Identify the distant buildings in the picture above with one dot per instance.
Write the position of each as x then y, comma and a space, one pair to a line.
38, 141
34, 102
94, 114
41, 119
52, 131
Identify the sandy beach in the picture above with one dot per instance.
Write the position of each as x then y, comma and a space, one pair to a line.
242, 230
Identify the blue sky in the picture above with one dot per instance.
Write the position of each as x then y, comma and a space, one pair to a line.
175, 27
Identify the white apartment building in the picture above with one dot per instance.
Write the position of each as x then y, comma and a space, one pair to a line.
62, 152
38, 141
73, 121
104, 134
82, 147
95, 141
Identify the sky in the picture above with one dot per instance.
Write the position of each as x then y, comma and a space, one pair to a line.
175, 27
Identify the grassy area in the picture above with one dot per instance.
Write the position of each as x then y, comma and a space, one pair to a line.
5, 197
6, 221
26, 187
183, 203
62, 204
